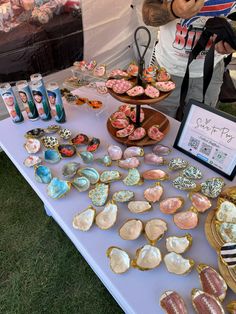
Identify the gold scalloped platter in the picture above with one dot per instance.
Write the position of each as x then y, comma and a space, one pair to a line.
138, 100
214, 239
152, 117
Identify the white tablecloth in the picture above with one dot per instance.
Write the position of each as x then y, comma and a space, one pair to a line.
135, 291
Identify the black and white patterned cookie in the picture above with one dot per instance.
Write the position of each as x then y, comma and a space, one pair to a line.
228, 254
65, 134
49, 141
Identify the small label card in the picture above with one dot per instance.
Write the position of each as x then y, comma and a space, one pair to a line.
209, 136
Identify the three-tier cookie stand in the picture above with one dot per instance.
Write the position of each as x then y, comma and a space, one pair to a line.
152, 117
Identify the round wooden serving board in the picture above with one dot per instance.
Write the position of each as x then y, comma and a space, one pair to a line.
138, 100
151, 117
214, 239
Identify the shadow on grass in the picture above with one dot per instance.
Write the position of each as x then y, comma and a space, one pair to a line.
41, 271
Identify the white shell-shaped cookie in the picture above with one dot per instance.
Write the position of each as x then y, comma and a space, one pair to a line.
84, 220
155, 229
178, 244
107, 217
147, 257
119, 260
139, 206
178, 265
131, 229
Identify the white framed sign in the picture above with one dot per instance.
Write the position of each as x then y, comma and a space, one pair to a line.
208, 135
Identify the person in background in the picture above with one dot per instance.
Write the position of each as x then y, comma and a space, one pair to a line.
181, 23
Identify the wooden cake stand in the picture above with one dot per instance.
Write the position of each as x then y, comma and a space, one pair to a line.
139, 100
214, 239
152, 117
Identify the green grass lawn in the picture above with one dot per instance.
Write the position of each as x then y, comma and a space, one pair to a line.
229, 108
40, 269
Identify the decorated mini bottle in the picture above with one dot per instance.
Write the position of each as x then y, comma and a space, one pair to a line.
10, 102
27, 100
40, 99
56, 103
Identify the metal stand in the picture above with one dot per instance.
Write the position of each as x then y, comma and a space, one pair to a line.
138, 122
141, 66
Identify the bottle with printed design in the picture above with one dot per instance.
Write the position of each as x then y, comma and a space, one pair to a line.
56, 103
10, 102
40, 99
27, 100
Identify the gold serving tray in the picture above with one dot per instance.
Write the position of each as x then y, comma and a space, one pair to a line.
214, 239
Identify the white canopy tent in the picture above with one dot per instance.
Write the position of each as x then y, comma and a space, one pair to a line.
109, 28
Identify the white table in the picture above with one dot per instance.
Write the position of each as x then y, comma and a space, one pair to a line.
135, 291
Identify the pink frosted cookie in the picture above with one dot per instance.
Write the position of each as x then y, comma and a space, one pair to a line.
110, 83
133, 115
155, 134
118, 115
165, 86
126, 131
149, 74
121, 86
132, 69
138, 134
119, 123
151, 92
135, 91
126, 108
163, 75
118, 72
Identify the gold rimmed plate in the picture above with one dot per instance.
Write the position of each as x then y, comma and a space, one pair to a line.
214, 239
